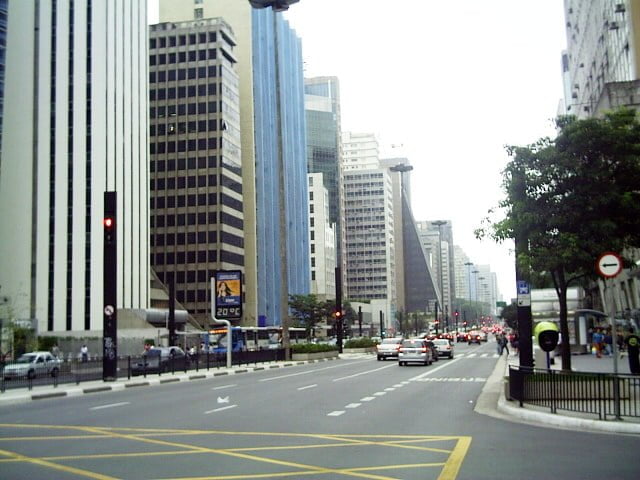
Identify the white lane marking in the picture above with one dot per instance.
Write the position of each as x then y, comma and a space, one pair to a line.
367, 399
335, 413
306, 372
390, 389
111, 405
484, 355
434, 370
471, 355
220, 409
222, 387
308, 386
353, 405
363, 373
379, 394
399, 385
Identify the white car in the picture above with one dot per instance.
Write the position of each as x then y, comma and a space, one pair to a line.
444, 347
30, 365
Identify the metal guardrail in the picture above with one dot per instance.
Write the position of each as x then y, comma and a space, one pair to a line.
606, 395
77, 371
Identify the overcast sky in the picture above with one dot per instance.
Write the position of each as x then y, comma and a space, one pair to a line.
450, 83
453, 82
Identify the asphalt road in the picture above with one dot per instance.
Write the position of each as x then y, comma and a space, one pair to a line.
350, 418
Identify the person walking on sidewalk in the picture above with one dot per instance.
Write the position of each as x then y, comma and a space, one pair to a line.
633, 351
597, 342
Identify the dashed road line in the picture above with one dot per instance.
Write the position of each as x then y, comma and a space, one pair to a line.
111, 405
308, 386
215, 410
335, 413
222, 387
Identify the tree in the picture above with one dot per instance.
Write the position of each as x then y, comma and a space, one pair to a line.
573, 198
307, 311
509, 315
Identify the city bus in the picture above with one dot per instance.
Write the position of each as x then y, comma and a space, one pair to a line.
250, 338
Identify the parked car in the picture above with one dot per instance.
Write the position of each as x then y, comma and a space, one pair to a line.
31, 365
444, 347
415, 350
161, 359
388, 348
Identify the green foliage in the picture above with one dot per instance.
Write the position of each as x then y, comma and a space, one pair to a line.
24, 340
312, 348
510, 315
364, 342
572, 199
46, 343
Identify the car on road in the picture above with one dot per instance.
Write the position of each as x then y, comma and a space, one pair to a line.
388, 348
415, 350
474, 336
444, 347
33, 364
161, 359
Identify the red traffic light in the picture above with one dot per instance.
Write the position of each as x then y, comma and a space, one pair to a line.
108, 222
338, 314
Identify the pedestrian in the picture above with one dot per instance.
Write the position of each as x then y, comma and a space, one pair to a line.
499, 346
84, 353
608, 343
505, 344
633, 351
515, 344
55, 351
597, 342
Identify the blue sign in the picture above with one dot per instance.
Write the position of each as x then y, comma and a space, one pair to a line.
523, 288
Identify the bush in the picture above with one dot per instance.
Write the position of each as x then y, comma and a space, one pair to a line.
364, 342
312, 348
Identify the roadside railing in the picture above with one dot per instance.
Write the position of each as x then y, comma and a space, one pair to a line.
77, 371
606, 395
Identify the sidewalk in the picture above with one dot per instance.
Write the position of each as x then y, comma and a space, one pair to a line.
494, 391
22, 395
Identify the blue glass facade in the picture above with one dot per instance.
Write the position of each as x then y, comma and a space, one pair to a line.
3, 47
279, 127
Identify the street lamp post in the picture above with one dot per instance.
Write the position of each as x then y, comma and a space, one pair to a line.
439, 223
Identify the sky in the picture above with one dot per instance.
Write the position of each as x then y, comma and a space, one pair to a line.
449, 84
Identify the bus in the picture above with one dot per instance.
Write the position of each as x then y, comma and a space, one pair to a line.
250, 338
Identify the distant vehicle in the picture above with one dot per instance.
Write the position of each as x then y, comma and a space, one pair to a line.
31, 365
444, 347
415, 350
475, 336
251, 338
389, 348
161, 359
461, 337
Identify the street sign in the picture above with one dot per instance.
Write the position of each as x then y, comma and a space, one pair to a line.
226, 286
609, 265
523, 288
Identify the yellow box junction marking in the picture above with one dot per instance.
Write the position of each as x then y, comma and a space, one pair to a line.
446, 469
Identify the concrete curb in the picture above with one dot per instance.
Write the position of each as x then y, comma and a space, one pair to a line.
505, 409
23, 395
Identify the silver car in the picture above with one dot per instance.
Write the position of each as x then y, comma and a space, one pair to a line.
388, 348
31, 365
415, 350
444, 347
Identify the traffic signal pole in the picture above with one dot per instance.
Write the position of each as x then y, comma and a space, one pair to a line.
110, 289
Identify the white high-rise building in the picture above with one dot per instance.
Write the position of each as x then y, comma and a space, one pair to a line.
322, 240
76, 95
369, 225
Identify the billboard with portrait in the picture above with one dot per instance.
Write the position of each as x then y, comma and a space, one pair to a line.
226, 288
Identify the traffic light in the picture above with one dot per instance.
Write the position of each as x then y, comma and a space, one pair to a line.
338, 314
109, 223
456, 313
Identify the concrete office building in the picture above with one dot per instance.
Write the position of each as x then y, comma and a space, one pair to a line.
197, 221
369, 225
76, 93
322, 239
324, 148
601, 65
273, 151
